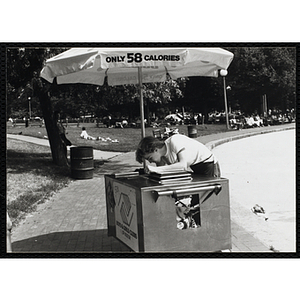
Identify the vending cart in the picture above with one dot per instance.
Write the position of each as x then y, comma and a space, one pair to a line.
190, 215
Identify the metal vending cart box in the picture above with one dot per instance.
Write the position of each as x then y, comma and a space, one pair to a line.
143, 214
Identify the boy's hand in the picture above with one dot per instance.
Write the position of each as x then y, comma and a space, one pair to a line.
148, 168
151, 168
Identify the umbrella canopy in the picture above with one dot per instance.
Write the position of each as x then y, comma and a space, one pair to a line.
134, 65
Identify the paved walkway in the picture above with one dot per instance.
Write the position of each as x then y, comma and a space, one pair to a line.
74, 220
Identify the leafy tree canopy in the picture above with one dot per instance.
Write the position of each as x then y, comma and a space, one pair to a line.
254, 71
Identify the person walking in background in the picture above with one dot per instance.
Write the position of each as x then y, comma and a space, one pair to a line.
62, 131
109, 121
8, 233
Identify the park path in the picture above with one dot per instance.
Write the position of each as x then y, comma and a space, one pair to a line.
262, 170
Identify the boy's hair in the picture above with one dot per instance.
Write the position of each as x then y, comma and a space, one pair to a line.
83, 128
147, 145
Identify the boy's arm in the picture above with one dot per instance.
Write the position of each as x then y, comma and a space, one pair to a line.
180, 165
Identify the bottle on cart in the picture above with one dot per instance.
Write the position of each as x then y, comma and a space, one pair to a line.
183, 224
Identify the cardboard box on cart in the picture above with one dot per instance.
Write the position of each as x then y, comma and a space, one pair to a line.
141, 213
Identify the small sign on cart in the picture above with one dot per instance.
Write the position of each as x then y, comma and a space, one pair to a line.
126, 215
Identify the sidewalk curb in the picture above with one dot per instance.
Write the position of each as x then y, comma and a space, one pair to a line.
213, 144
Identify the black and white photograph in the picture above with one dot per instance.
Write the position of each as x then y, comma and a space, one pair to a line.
147, 146
143, 149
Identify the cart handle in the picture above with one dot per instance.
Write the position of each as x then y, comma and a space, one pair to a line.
176, 193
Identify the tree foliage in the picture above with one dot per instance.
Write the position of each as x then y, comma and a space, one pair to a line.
23, 65
254, 71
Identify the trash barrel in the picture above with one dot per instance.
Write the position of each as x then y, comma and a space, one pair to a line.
192, 131
82, 162
157, 133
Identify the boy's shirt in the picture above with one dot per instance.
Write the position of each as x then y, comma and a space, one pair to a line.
195, 151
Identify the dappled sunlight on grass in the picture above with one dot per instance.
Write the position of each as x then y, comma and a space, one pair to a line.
32, 177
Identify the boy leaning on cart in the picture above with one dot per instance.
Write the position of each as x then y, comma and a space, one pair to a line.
177, 152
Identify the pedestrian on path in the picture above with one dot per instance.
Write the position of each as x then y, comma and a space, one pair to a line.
8, 233
62, 131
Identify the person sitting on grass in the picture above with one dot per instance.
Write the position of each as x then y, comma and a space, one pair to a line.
84, 135
177, 152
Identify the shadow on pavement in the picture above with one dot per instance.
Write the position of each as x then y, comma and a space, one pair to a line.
72, 242
110, 167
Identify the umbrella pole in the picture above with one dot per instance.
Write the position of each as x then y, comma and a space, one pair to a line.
141, 101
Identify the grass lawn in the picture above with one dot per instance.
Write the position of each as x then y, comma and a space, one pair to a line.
128, 138
32, 178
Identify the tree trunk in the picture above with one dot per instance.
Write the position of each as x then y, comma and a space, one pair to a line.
58, 149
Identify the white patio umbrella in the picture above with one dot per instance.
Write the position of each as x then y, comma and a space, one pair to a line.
134, 66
